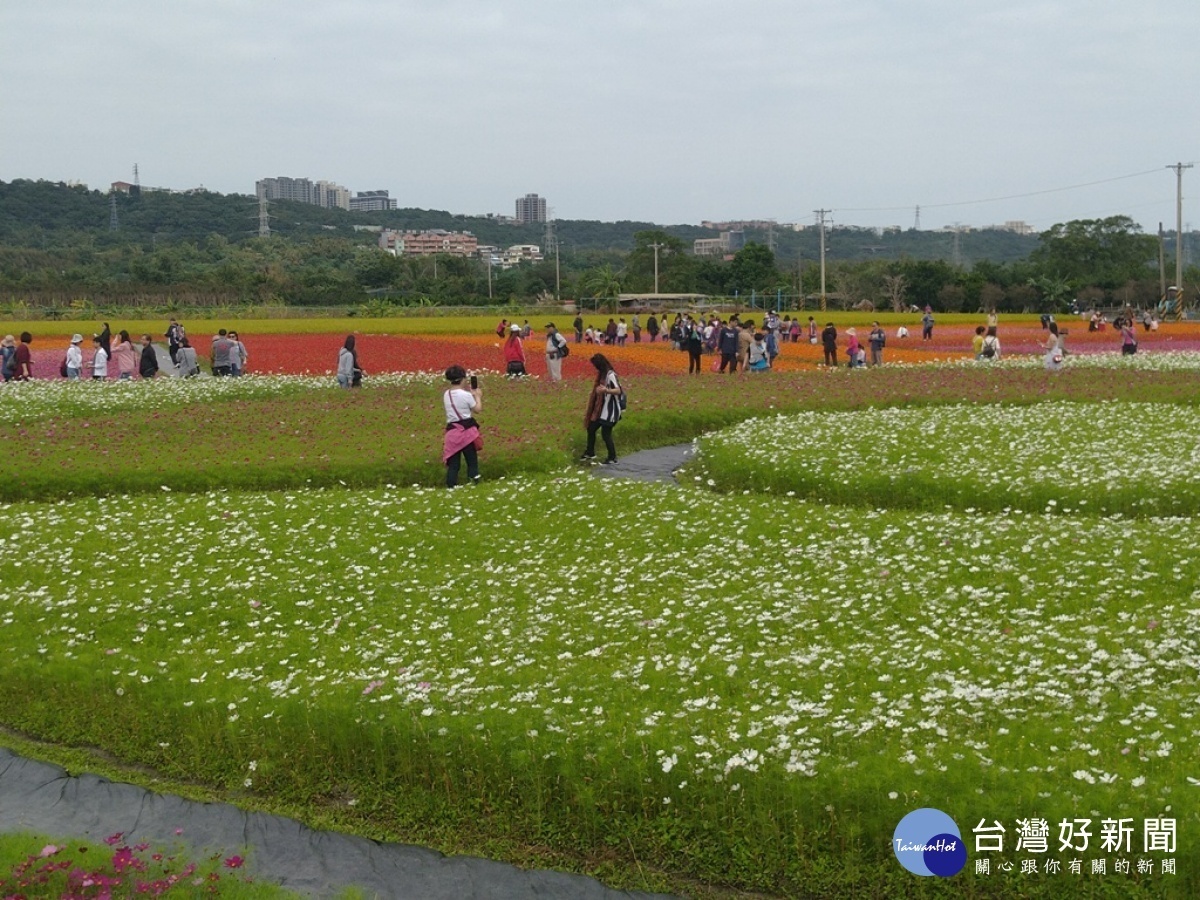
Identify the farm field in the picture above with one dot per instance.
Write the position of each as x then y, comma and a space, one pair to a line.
303, 347
251, 585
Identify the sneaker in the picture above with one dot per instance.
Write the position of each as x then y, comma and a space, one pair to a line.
588, 457
476, 479
609, 462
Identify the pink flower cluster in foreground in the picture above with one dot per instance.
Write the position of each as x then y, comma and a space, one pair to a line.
57, 872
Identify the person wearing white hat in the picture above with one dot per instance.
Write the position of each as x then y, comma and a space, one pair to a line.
73, 365
514, 353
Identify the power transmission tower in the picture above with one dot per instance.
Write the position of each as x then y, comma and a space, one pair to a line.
821, 213
552, 247
917, 220
113, 225
136, 181
771, 236
264, 217
957, 245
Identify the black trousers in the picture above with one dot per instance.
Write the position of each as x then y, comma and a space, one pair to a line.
729, 359
455, 462
831, 356
605, 429
693, 359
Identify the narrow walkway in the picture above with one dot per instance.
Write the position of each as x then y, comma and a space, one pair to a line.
43, 798
657, 465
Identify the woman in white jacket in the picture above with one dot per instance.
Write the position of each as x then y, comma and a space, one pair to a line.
347, 363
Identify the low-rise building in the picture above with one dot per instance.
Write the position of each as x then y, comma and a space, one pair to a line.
729, 242
429, 243
519, 253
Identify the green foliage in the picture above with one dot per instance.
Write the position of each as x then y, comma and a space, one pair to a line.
201, 249
753, 269
1101, 252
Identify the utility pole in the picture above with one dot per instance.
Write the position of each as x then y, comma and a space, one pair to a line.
1179, 167
656, 247
821, 219
957, 245
489, 270
558, 272
1162, 264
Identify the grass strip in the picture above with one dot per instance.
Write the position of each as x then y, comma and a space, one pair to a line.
392, 434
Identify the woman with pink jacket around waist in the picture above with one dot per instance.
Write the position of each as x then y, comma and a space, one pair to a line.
461, 439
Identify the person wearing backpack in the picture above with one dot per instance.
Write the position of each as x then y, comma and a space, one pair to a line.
603, 410
991, 344
556, 351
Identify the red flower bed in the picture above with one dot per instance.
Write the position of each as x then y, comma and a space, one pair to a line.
294, 354
316, 354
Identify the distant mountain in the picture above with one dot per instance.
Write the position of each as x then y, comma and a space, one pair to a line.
41, 213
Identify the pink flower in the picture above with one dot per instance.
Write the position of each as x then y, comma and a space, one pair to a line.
113, 839
49, 850
234, 862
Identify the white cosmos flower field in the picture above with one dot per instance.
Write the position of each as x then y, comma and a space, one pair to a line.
40, 399
591, 646
1131, 458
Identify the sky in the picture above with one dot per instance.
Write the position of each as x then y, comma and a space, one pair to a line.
653, 110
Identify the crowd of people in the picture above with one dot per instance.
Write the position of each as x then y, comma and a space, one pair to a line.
117, 356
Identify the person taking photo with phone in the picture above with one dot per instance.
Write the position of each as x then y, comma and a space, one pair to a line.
461, 439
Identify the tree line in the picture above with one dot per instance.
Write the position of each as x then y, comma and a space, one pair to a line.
56, 249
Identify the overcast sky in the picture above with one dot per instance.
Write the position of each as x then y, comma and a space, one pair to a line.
658, 110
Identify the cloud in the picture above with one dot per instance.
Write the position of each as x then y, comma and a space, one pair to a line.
662, 110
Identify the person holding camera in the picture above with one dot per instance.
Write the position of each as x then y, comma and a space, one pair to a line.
461, 439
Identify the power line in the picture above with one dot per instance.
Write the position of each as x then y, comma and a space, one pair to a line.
1070, 187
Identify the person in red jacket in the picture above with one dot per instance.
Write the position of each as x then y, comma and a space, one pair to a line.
514, 353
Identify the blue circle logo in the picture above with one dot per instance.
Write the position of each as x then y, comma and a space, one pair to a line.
928, 842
